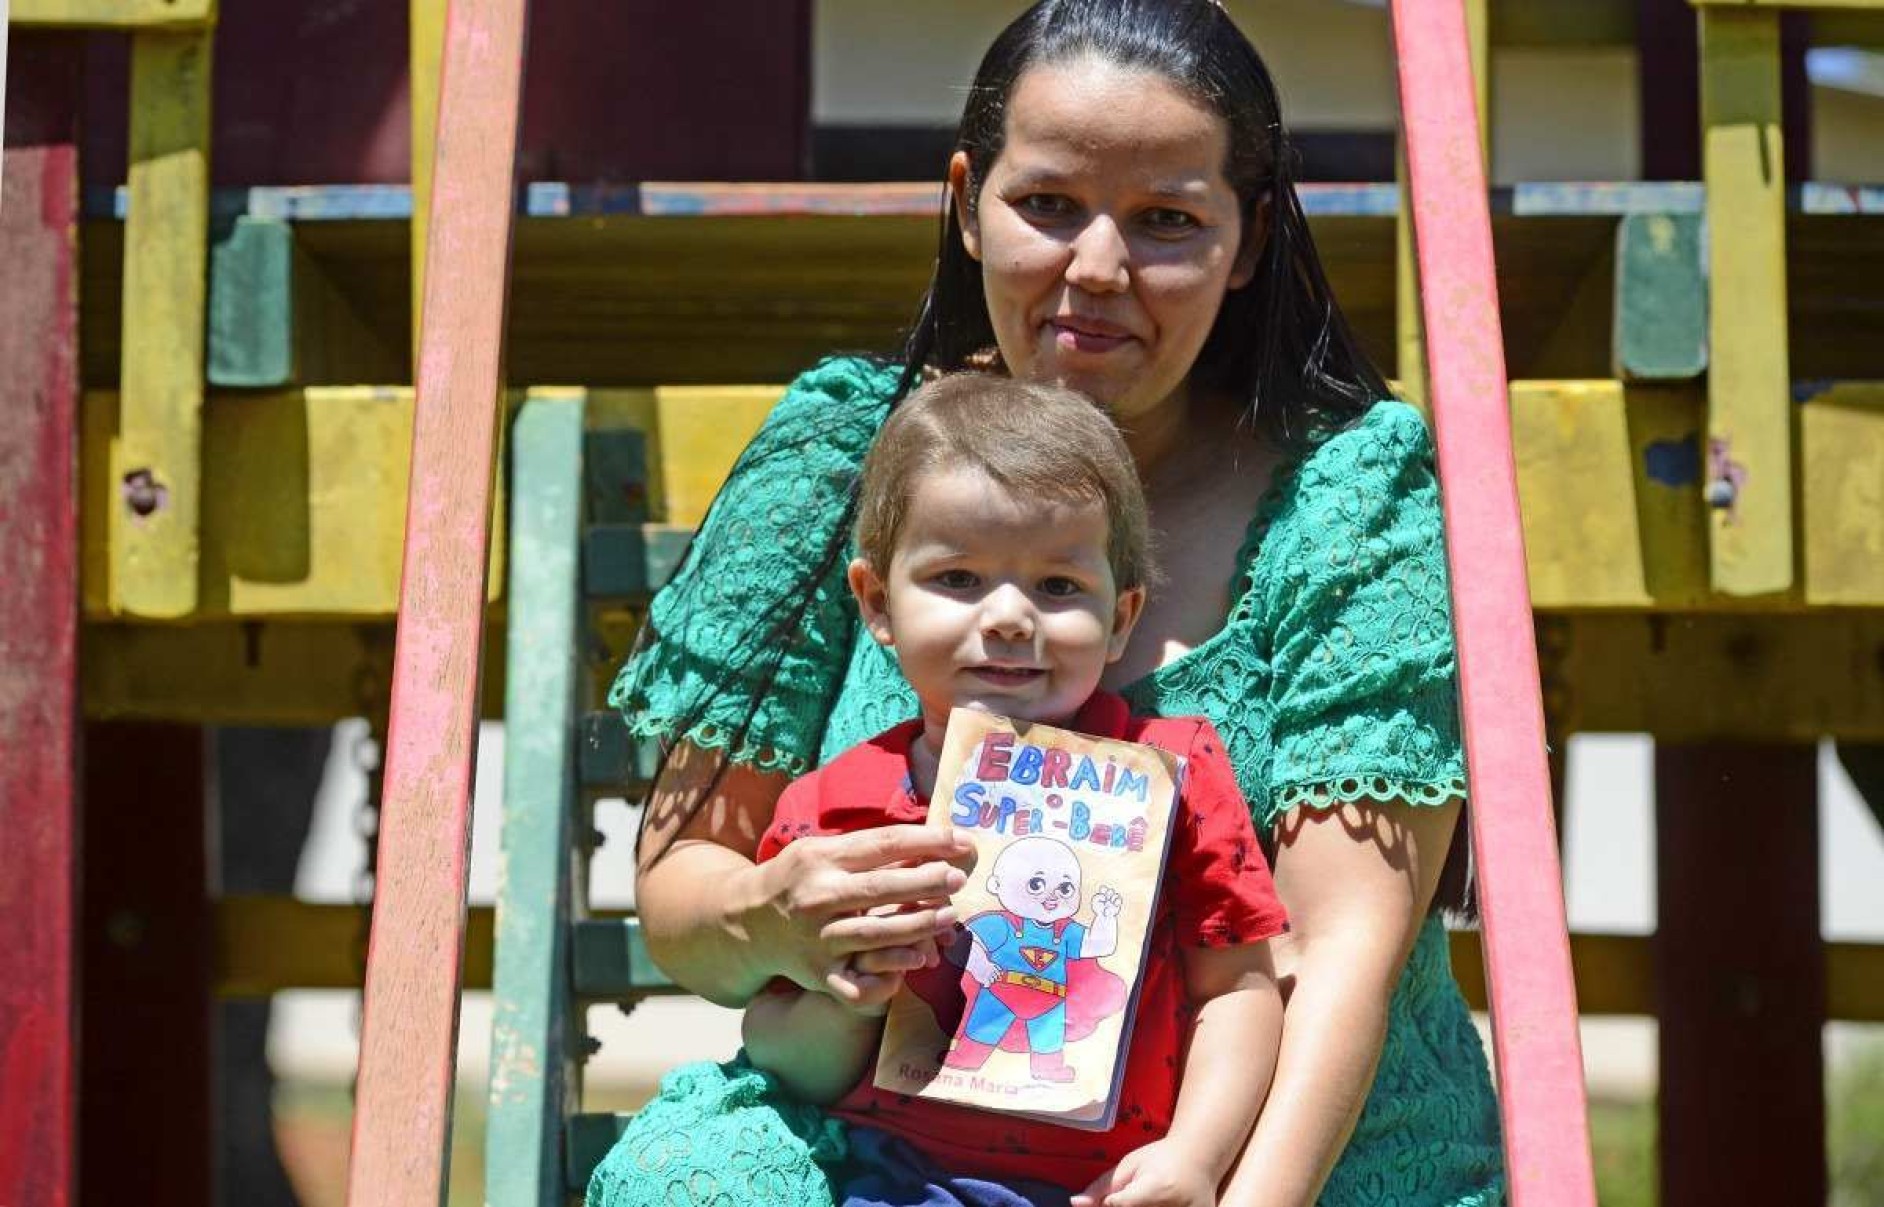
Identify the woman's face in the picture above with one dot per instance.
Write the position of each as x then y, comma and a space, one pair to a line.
1107, 233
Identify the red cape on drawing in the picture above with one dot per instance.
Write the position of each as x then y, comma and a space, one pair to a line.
1093, 995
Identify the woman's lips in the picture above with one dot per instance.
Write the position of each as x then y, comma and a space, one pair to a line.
1087, 335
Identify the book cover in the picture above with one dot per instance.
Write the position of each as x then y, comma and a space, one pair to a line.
1031, 1009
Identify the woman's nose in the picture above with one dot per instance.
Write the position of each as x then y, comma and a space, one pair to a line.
1101, 260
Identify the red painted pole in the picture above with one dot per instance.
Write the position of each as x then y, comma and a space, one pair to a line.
1527, 953
39, 619
402, 1119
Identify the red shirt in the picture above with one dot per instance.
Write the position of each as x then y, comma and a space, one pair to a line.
1217, 892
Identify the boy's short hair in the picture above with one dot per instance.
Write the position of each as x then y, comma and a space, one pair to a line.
1035, 441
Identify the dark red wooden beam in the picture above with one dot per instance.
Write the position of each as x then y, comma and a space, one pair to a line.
38, 620
1740, 974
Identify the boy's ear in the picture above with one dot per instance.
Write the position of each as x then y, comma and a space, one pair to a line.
1125, 614
959, 188
873, 600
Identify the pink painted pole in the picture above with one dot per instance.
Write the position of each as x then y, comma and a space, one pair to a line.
1520, 885
402, 1120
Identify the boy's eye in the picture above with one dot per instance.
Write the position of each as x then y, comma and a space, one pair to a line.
955, 580
1066, 888
1036, 884
1060, 586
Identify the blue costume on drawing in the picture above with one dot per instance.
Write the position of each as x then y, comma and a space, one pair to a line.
1031, 985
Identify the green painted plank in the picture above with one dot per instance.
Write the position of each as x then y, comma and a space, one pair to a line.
626, 560
1661, 298
251, 304
610, 758
615, 472
612, 961
533, 1076
590, 1138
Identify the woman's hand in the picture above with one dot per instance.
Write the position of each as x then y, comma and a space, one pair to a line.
722, 927
847, 915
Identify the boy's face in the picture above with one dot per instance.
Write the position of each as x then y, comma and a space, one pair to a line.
996, 602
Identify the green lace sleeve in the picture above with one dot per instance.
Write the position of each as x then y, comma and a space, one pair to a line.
722, 633
1364, 690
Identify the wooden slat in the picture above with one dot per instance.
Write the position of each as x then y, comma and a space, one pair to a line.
1841, 447
157, 463
1749, 473
1742, 1006
1698, 677
146, 1016
1660, 313
590, 1137
39, 620
1871, 5
534, 1071
1532, 988
426, 50
267, 944
402, 1121
115, 14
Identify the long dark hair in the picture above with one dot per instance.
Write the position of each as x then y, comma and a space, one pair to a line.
1280, 345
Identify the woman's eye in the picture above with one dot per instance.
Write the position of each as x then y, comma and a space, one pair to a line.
1044, 205
955, 580
1060, 587
1169, 222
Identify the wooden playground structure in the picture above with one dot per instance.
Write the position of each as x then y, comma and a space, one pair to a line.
219, 493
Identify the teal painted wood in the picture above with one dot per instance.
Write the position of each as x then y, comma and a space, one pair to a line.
612, 962
630, 560
533, 1074
590, 1138
251, 304
612, 761
1661, 298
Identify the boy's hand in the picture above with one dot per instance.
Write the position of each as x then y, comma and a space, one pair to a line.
866, 994
1161, 1174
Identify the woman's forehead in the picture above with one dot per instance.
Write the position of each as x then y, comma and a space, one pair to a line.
1066, 116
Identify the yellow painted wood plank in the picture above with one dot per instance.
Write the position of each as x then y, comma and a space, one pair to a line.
1701, 676
1409, 325
306, 490
304, 504
1749, 429
702, 431
426, 54
261, 673
166, 245
1577, 432
1841, 435
114, 14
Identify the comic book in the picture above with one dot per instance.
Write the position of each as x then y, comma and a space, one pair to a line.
1032, 1008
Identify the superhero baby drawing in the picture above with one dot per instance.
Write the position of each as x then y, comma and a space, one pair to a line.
1032, 980
1029, 1011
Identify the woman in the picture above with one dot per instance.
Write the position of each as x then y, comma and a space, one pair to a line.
1120, 219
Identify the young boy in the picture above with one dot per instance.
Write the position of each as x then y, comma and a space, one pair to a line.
1003, 555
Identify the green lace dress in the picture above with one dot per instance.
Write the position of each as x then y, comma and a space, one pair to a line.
1331, 681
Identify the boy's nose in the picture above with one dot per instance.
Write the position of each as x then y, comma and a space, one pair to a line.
1006, 615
